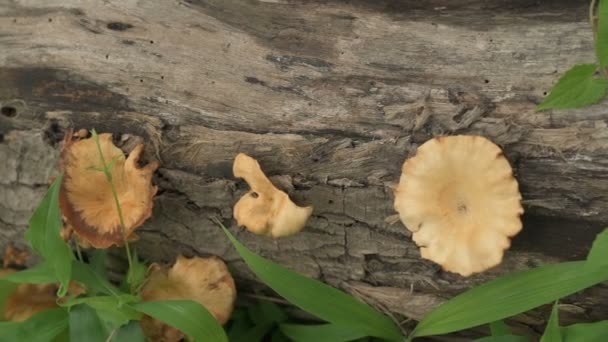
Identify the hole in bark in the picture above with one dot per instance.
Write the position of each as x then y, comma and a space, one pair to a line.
54, 133
544, 93
141, 81
107, 56
162, 77
50, 20
486, 81
330, 202
254, 195
118, 26
9, 111
151, 42
1, 138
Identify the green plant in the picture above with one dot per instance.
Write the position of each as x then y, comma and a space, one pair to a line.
101, 311
584, 84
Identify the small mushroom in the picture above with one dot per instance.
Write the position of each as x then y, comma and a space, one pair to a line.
86, 197
459, 198
30, 299
203, 280
266, 210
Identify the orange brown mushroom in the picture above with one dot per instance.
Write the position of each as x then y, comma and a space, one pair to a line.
86, 197
266, 210
459, 198
203, 280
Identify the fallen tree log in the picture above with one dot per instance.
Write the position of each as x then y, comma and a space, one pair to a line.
331, 97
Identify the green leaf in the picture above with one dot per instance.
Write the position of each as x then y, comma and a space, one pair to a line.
552, 332
601, 40
84, 274
499, 328
40, 274
266, 312
44, 235
85, 325
7, 288
42, 327
508, 296
504, 338
114, 310
598, 256
136, 274
326, 302
189, 317
278, 336
253, 334
98, 262
129, 333
577, 88
585, 332
319, 333
239, 325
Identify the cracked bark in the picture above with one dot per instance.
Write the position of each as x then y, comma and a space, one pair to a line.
331, 97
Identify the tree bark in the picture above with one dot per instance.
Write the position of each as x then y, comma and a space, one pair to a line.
331, 97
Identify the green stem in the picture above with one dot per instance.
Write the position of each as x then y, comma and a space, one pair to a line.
78, 252
108, 174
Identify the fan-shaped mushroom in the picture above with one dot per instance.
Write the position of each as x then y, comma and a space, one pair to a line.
86, 197
459, 198
203, 280
265, 209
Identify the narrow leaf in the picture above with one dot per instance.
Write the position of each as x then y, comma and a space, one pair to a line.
94, 282
498, 328
98, 262
585, 332
601, 40
577, 88
266, 313
40, 274
552, 332
7, 288
129, 333
42, 327
598, 256
278, 336
136, 274
44, 235
508, 296
254, 334
326, 302
319, 333
85, 325
504, 338
189, 317
114, 310
239, 325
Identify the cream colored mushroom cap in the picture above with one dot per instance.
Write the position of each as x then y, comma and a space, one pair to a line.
266, 210
459, 198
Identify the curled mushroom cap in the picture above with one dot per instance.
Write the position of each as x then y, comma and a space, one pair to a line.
459, 198
265, 209
30, 299
86, 197
203, 280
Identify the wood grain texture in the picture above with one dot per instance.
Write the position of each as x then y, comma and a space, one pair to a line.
331, 97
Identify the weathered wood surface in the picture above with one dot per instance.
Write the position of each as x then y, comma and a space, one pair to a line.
331, 97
